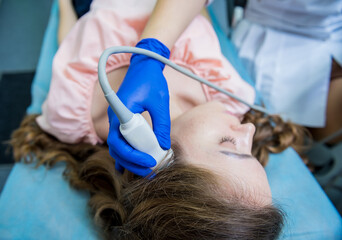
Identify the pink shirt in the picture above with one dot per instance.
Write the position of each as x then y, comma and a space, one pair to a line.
66, 111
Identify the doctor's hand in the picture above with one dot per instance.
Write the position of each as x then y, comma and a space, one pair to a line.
144, 88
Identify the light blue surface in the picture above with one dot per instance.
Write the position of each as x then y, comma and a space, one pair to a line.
310, 214
39, 204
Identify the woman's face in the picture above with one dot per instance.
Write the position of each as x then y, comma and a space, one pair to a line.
212, 138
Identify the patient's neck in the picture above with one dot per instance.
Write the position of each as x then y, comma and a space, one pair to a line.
185, 93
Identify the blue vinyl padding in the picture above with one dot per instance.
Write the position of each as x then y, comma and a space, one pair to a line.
41, 82
39, 203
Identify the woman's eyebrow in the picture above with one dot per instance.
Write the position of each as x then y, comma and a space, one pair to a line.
236, 155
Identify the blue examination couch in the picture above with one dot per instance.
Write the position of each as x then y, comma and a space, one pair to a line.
39, 203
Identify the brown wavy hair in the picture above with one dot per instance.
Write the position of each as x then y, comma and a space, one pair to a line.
274, 135
180, 202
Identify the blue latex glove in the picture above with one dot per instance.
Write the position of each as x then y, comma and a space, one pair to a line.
144, 88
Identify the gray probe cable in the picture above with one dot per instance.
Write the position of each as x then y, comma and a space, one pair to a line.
115, 102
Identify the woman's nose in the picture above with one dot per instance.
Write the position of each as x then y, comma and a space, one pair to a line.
244, 137
244, 128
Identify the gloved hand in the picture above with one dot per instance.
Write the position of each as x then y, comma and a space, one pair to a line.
144, 88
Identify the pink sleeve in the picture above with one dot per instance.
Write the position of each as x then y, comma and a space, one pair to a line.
67, 110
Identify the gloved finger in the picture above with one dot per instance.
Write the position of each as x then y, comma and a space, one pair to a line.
118, 167
136, 169
134, 156
120, 148
162, 125
144, 172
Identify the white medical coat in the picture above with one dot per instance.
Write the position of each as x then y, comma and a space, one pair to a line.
288, 46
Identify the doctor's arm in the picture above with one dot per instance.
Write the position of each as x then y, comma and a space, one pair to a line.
67, 18
170, 18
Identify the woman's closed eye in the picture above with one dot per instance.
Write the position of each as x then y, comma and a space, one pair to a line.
228, 139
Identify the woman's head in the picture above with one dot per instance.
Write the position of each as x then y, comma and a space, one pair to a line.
213, 189
181, 202
215, 140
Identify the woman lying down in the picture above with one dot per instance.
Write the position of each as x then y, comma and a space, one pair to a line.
215, 186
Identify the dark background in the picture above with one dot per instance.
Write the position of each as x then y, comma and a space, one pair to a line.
22, 26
